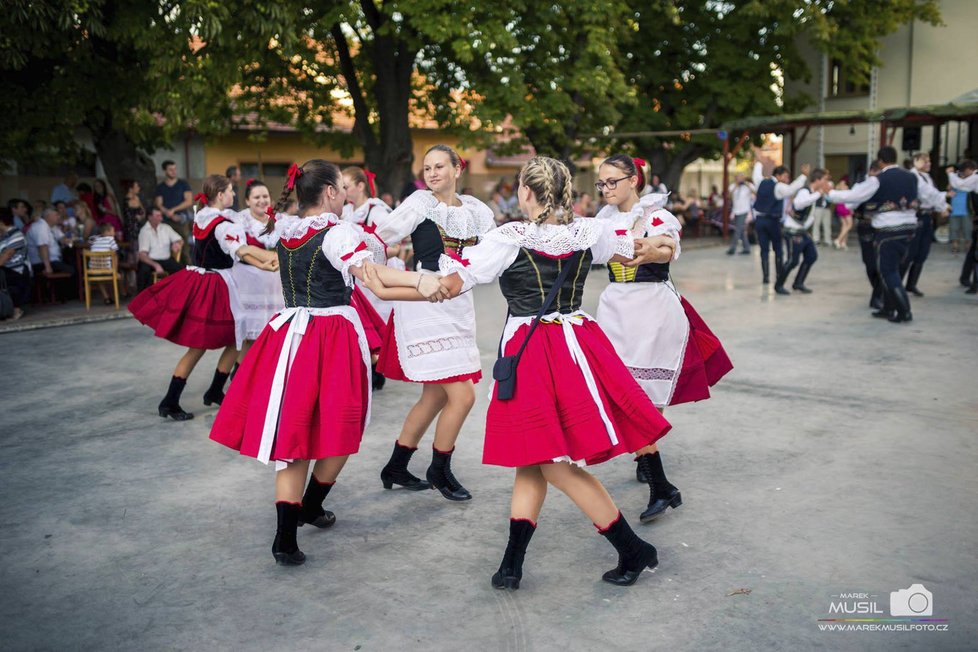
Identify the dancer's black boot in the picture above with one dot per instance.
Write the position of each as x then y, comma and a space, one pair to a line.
312, 511
799, 284
285, 549
876, 300
377, 379
215, 393
913, 275
765, 269
634, 554
440, 476
511, 569
973, 288
396, 472
902, 302
782, 272
889, 306
170, 405
662, 493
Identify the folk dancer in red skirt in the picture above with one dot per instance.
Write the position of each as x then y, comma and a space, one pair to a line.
194, 307
665, 345
364, 209
575, 404
434, 344
259, 290
302, 393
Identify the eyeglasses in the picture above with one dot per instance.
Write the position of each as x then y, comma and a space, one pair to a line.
610, 184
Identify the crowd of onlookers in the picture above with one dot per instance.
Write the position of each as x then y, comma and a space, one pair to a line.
41, 240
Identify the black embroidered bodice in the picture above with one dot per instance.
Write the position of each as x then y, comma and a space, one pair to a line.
527, 281
207, 250
430, 242
308, 278
647, 273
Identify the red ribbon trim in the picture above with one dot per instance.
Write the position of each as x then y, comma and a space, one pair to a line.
360, 247
201, 198
451, 253
293, 174
253, 241
203, 234
370, 182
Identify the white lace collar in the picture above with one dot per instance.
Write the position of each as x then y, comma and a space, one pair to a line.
473, 218
207, 214
359, 214
255, 228
644, 205
550, 239
293, 226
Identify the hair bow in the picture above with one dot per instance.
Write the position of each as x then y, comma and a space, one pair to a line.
201, 197
270, 211
463, 163
294, 173
249, 182
639, 162
370, 182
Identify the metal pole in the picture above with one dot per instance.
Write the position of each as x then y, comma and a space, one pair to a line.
726, 187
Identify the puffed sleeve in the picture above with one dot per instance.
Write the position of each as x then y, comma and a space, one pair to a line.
403, 220
482, 263
230, 236
611, 241
344, 248
662, 222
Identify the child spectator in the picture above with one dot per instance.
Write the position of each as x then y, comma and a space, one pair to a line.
104, 241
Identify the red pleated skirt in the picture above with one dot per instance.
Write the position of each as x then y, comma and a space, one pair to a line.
324, 406
189, 309
389, 364
552, 414
704, 361
373, 323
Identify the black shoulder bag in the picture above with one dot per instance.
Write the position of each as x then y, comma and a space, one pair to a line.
504, 371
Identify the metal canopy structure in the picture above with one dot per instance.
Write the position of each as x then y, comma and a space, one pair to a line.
790, 123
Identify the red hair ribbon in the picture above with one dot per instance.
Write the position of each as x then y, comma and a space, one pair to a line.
639, 162
249, 182
294, 173
463, 163
201, 197
370, 181
270, 211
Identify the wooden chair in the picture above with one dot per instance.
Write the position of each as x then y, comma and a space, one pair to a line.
98, 267
176, 256
44, 284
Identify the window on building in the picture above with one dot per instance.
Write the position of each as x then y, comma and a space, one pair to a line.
839, 83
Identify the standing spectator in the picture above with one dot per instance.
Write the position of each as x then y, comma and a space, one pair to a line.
234, 174
741, 198
107, 208
585, 205
133, 210
844, 213
20, 213
157, 244
13, 265
65, 192
43, 249
174, 197
959, 225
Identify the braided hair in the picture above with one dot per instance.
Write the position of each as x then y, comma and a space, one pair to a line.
310, 182
550, 182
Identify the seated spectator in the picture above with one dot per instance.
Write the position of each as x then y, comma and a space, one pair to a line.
44, 250
13, 264
157, 244
20, 212
84, 220
104, 241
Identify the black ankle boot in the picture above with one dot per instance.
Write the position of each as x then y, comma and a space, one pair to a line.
913, 275
285, 549
396, 472
781, 278
634, 554
662, 493
440, 476
902, 302
640, 472
799, 284
170, 405
876, 300
511, 569
765, 270
312, 511
215, 393
377, 379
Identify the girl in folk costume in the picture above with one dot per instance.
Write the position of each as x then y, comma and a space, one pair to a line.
302, 393
434, 344
259, 291
574, 402
364, 210
194, 307
665, 345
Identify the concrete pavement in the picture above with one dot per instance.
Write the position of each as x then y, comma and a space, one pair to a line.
838, 457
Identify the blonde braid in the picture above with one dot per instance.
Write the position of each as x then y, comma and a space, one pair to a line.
567, 196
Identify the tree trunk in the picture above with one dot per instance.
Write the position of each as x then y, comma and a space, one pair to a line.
123, 160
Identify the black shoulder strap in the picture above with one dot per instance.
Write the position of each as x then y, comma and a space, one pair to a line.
551, 296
